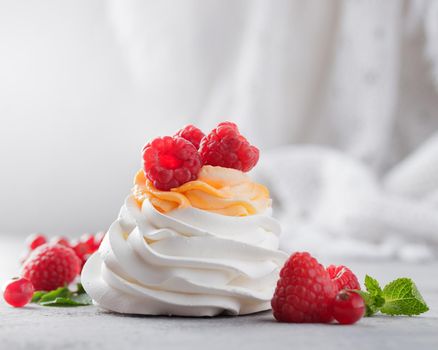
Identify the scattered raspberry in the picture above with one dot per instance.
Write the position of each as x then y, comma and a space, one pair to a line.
88, 239
192, 134
170, 162
18, 292
348, 307
83, 251
304, 291
51, 266
343, 277
83, 248
35, 240
225, 147
87, 245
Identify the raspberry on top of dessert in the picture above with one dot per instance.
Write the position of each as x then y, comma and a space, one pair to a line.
191, 169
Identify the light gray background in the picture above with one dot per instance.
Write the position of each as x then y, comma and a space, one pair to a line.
72, 121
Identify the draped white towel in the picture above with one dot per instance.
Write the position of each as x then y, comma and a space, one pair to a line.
333, 204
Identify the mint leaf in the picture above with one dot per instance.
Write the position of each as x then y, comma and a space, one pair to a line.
63, 297
400, 297
80, 289
372, 286
403, 298
64, 302
379, 301
61, 292
373, 298
37, 296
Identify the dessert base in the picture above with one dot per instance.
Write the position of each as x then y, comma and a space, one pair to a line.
188, 262
152, 307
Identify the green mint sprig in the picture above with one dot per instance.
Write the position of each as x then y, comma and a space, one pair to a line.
62, 297
399, 297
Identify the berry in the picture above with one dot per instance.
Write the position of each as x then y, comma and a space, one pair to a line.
348, 307
169, 162
192, 134
82, 250
89, 241
343, 277
226, 147
51, 266
35, 240
304, 291
18, 292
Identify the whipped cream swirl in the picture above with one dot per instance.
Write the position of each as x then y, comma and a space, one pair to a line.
187, 262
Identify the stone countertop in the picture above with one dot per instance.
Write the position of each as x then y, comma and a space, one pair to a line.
35, 327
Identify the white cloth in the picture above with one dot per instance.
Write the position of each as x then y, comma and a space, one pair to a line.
332, 204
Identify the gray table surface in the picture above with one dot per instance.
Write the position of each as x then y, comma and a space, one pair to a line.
91, 328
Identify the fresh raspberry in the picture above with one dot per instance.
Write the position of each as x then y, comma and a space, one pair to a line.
225, 147
304, 292
18, 292
51, 266
35, 240
192, 134
88, 239
343, 277
83, 251
170, 162
85, 247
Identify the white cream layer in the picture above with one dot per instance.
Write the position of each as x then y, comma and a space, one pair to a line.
187, 262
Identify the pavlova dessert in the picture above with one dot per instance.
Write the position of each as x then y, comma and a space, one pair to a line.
195, 237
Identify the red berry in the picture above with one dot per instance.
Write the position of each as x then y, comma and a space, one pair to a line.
88, 239
35, 240
304, 291
226, 147
18, 292
348, 307
84, 249
81, 249
343, 277
170, 162
51, 266
60, 240
192, 134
